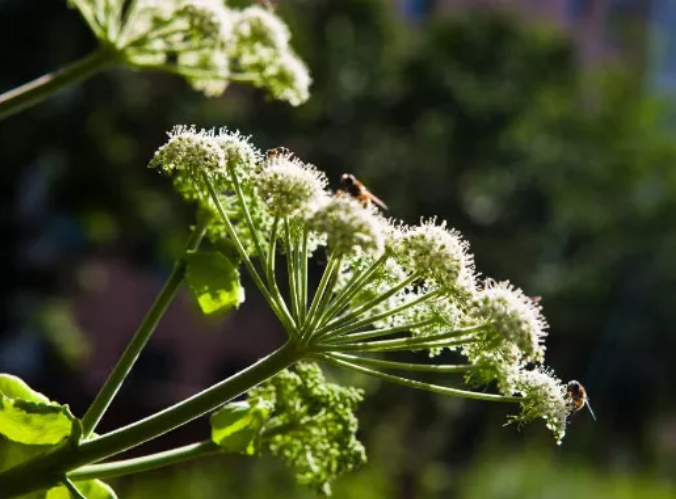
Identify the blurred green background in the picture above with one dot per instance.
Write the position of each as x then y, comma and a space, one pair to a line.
542, 131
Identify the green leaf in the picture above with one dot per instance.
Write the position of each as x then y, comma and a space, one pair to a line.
237, 426
91, 489
28, 417
214, 280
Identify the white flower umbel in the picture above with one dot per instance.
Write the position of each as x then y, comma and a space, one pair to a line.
514, 316
288, 79
190, 152
438, 254
241, 157
288, 186
544, 396
347, 225
256, 26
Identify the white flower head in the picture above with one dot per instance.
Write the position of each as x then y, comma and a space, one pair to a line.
241, 157
438, 254
208, 20
500, 364
288, 186
515, 317
347, 225
544, 396
190, 152
256, 26
289, 79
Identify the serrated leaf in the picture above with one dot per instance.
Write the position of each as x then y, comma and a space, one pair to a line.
28, 417
214, 281
91, 489
237, 426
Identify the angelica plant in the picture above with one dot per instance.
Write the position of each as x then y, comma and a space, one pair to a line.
387, 287
204, 41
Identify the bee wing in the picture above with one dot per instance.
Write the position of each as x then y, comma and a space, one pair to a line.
378, 201
591, 411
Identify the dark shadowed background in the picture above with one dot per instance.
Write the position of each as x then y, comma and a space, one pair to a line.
542, 130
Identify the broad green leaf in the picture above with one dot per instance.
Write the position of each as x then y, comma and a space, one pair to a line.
91, 489
13, 453
214, 280
28, 417
16, 388
237, 426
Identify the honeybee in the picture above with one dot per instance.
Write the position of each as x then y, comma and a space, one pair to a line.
277, 151
577, 397
359, 191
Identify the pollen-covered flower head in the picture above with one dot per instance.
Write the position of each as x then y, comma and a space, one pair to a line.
241, 157
288, 186
544, 396
347, 225
515, 317
190, 152
438, 254
209, 19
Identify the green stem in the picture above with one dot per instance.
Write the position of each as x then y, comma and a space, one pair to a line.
463, 335
292, 271
247, 215
357, 312
34, 92
322, 295
121, 370
303, 258
47, 469
377, 333
351, 289
402, 366
445, 390
280, 312
145, 463
328, 332
73, 491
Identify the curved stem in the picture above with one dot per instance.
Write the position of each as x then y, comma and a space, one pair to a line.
47, 469
445, 390
121, 370
402, 366
303, 257
34, 92
73, 491
145, 463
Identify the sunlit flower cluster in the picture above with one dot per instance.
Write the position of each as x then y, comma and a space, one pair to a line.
207, 42
388, 287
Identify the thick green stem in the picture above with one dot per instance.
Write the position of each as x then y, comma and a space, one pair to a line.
445, 390
145, 463
34, 92
46, 470
376, 333
121, 370
292, 271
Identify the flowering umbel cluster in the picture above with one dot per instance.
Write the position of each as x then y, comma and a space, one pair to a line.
387, 287
205, 41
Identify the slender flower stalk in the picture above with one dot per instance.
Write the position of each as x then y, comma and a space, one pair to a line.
124, 365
